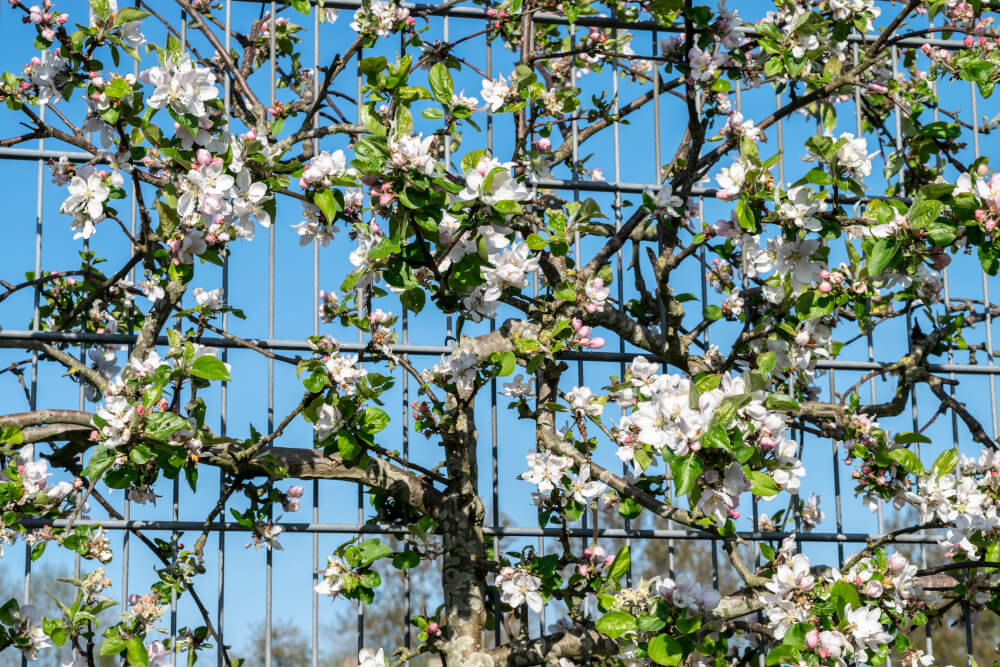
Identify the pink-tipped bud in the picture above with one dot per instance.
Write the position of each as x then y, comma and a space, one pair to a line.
734, 514
591, 307
577, 323
141, 409
897, 562
584, 332
767, 443
825, 287
582, 569
812, 638
434, 629
544, 144
295, 491
596, 343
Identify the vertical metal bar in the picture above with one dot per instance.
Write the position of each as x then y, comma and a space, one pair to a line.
314, 639
224, 388
272, 240
494, 441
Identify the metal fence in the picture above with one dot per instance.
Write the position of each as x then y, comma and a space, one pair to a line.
328, 518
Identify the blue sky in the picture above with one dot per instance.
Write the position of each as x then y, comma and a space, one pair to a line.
293, 320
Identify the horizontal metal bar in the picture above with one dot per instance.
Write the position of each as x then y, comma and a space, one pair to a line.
20, 336
511, 531
546, 18
35, 154
552, 183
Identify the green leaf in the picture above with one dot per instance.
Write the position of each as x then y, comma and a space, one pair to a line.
844, 593
348, 446
780, 402
620, 565
565, 291
716, 438
763, 484
616, 623
766, 362
783, 654
908, 438
796, 635
102, 8
413, 299
136, 652
535, 242
508, 362
508, 207
328, 204
405, 560
374, 420
112, 646
908, 459
11, 435
208, 367
130, 15
686, 470
924, 211
372, 550
945, 463
882, 256
665, 650
441, 84
316, 381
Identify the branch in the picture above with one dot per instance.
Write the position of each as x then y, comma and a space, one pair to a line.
574, 643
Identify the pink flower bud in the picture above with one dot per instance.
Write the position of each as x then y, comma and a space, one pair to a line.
588, 552
767, 443
295, 491
491, 12
577, 323
825, 287
873, 589
141, 409
434, 629
544, 144
734, 514
582, 569
62, 19
969, 40
596, 343
48, 34
591, 307
897, 562
584, 332
609, 559
812, 638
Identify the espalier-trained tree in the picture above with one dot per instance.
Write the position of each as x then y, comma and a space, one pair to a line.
702, 430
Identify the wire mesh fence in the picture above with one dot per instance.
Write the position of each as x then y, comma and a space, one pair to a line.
282, 280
